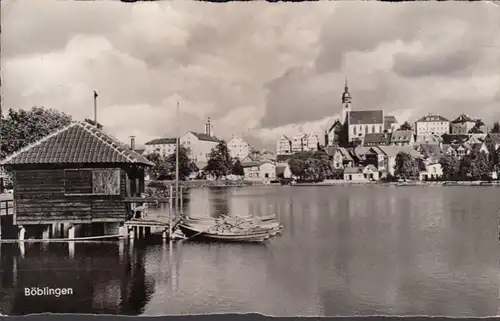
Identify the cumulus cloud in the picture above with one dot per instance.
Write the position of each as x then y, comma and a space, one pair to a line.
257, 69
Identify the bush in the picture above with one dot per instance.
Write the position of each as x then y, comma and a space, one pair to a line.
157, 185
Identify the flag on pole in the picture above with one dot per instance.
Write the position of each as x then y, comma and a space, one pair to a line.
95, 94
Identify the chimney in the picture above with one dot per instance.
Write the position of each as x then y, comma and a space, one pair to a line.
132, 142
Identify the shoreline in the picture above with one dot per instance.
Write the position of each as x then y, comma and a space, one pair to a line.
408, 183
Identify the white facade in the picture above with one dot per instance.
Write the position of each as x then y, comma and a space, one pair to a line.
432, 171
260, 171
284, 146
298, 142
432, 124
238, 148
310, 143
163, 146
198, 149
358, 131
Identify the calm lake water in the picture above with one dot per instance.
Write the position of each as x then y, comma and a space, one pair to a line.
345, 250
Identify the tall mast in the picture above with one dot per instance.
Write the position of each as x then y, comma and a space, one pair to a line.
177, 163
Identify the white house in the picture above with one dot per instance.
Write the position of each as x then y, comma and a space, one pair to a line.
284, 146
403, 138
432, 124
432, 171
361, 174
299, 140
198, 145
311, 142
238, 148
264, 170
164, 146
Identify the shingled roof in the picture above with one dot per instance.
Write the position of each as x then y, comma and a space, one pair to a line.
362, 117
80, 143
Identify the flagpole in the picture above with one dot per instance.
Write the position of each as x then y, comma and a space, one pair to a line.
177, 163
95, 108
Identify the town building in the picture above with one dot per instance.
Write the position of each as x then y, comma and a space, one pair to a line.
264, 170
239, 148
311, 142
361, 174
200, 145
75, 180
333, 136
363, 122
284, 146
390, 124
462, 125
432, 124
163, 146
340, 156
403, 138
492, 142
283, 171
377, 139
433, 170
299, 140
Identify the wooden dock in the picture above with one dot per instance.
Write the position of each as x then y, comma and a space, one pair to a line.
145, 223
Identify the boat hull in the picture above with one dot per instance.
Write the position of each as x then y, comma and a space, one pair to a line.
256, 237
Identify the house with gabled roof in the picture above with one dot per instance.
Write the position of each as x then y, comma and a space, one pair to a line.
377, 139
261, 170
462, 124
432, 124
284, 146
403, 138
163, 146
361, 174
77, 176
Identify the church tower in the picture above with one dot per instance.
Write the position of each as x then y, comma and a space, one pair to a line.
346, 104
209, 128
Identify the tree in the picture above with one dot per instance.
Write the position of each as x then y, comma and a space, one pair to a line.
451, 166
496, 128
23, 127
219, 161
237, 168
161, 169
477, 127
310, 165
475, 166
406, 126
185, 164
405, 165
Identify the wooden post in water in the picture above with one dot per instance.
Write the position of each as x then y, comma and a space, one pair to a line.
170, 212
181, 194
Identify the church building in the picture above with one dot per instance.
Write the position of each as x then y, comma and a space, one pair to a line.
353, 125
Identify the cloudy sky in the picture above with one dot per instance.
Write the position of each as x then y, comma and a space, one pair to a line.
257, 69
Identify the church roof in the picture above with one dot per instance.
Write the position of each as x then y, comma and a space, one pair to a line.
366, 117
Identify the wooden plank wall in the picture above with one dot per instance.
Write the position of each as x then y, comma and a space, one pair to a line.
39, 198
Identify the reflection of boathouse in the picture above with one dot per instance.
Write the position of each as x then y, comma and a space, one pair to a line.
74, 182
112, 280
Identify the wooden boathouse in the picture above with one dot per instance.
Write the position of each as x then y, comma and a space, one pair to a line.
75, 182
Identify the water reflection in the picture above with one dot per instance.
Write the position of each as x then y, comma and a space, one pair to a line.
102, 278
344, 251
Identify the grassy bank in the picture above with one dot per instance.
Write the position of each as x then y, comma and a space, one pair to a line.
419, 183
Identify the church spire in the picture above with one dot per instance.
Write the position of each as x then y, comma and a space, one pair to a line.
346, 96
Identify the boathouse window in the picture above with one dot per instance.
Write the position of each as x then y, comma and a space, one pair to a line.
105, 181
